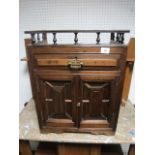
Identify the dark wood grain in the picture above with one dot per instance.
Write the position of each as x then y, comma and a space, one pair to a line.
24, 148
131, 149
70, 149
48, 148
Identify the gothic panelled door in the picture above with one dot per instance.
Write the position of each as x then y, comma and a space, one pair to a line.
78, 101
97, 102
56, 100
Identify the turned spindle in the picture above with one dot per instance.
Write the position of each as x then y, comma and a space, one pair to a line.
38, 38
44, 38
98, 38
76, 38
112, 38
33, 38
54, 39
120, 38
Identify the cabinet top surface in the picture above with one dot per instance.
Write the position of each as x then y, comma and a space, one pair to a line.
29, 129
81, 31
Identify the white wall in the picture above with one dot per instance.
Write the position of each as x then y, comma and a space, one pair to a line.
71, 14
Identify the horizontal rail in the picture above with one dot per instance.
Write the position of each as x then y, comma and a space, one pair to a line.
77, 31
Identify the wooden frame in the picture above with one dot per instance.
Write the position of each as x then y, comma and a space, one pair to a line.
128, 70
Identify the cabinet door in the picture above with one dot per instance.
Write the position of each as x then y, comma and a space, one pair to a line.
98, 101
56, 101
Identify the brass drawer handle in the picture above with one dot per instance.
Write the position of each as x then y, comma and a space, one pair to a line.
75, 64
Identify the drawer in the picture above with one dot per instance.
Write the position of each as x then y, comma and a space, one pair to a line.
77, 60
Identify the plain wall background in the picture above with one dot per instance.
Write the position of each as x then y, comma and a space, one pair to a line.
71, 14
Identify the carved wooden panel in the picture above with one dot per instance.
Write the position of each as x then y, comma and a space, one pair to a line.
95, 95
97, 103
57, 102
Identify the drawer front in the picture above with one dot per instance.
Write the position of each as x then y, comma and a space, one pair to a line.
76, 61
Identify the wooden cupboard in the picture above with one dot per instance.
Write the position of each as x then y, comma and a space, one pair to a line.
77, 88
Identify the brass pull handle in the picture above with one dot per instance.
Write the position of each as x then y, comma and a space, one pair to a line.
75, 64
78, 104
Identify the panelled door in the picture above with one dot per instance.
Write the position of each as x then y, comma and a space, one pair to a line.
78, 101
98, 97
56, 101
